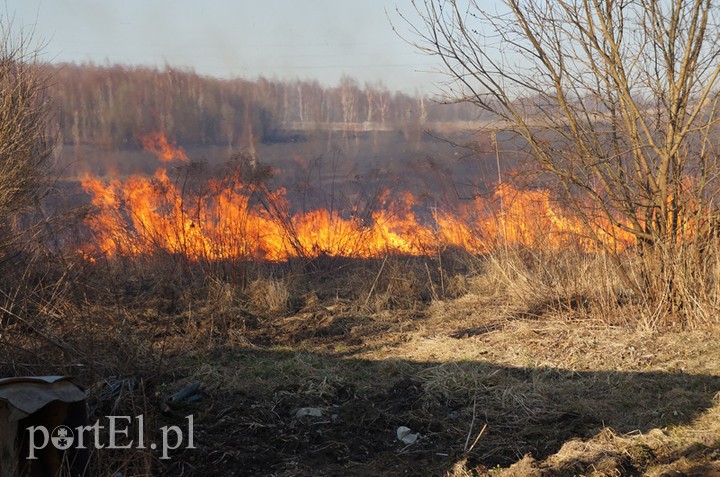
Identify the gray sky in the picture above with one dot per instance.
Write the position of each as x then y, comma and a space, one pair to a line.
285, 39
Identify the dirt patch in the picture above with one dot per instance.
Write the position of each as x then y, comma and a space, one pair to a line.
560, 417
352, 434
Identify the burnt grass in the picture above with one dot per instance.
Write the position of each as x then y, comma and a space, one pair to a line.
365, 347
257, 433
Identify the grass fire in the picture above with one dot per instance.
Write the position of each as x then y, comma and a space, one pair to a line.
233, 218
518, 275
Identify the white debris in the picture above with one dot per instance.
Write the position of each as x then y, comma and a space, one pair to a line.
308, 411
405, 435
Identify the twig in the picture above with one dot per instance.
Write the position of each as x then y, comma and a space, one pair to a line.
467, 449
432, 285
472, 422
482, 431
372, 288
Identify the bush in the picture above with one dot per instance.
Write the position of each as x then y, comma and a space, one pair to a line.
24, 144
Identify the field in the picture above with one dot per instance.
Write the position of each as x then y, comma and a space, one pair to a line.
364, 343
311, 368
519, 277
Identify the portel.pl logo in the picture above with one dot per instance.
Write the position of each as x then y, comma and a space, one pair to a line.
114, 435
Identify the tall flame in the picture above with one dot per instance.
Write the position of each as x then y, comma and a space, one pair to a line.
164, 150
235, 219
144, 215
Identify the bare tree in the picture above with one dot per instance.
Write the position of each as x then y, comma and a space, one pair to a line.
617, 99
24, 113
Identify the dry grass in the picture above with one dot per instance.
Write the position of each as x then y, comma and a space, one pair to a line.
268, 297
524, 349
553, 281
399, 284
536, 283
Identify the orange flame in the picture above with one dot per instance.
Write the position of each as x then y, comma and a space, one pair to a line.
144, 215
166, 151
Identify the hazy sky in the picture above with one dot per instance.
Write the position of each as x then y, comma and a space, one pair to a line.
306, 39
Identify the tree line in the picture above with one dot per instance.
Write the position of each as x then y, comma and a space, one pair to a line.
115, 105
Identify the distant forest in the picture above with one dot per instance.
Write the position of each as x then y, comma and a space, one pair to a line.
114, 106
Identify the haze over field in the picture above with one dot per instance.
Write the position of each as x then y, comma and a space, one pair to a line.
284, 39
